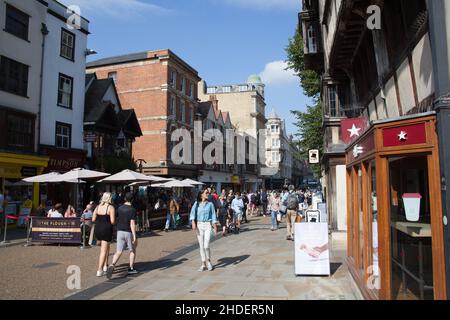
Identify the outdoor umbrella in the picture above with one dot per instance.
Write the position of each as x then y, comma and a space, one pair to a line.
128, 176
78, 174
173, 184
193, 182
43, 178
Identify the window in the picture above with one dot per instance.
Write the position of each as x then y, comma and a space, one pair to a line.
243, 88
67, 45
16, 22
183, 112
332, 100
173, 107
275, 142
20, 132
226, 89
275, 157
312, 40
183, 85
173, 79
192, 91
275, 128
211, 90
13, 76
63, 134
113, 75
65, 88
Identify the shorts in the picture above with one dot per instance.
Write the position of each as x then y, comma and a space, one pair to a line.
125, 240
237, 216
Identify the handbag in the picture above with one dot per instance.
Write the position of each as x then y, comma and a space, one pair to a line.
177, 218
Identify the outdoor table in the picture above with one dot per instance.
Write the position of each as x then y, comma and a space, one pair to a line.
418, 231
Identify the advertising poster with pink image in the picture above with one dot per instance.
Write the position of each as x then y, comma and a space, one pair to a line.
312, 254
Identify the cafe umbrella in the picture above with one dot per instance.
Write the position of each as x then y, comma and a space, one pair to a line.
129, 176
193, 182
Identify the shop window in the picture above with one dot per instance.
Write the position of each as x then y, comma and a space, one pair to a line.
373, 270
411, 240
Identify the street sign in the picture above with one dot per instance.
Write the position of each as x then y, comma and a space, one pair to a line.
90, 137
28, 172
313, 156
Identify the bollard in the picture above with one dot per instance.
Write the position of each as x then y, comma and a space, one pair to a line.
29, 224
6, 227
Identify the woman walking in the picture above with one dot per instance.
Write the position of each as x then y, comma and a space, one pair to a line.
222, 211
203, 218
104, 219
275, 204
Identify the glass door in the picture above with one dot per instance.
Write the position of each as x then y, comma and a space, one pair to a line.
411, 239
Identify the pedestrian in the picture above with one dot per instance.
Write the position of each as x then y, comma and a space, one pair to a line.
275, 204
238, 206
126, 234
56, 211
203, 218
264, 201
244, 211
40, 211
290, 200
70, 212
222, 213
173, 209
104, 219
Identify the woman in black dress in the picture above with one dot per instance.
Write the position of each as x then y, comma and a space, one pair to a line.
104, 219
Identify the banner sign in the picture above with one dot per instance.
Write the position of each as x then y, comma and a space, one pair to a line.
312, 254
56, 230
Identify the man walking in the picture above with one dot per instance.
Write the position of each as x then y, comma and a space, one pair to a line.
290, 200
126, 235
264, 201
237, 205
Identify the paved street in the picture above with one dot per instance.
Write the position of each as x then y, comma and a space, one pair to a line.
257, 264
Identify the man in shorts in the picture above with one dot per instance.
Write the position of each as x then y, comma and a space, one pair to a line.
126, 235
238, 206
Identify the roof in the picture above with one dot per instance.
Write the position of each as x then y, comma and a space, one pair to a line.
130, 122
203, 108
139, 56
96, 92
89, 77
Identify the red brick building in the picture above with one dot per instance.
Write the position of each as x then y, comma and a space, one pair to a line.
162, 89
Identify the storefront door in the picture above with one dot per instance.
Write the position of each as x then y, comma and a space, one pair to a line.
411, 231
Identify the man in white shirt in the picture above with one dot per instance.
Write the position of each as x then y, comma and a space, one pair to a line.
237, 205
56, 212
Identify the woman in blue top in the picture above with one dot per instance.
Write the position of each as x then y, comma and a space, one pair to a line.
203, 218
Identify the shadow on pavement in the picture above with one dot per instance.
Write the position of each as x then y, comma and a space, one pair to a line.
224, 262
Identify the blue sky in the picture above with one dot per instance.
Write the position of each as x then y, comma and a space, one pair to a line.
224, 40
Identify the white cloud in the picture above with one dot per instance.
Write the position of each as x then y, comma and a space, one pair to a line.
275, 73
116, 8
266, 4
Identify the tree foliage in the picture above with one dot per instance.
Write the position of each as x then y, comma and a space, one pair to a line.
309, 79
309, 123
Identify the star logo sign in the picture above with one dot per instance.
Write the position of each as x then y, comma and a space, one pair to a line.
403, 136
354, 131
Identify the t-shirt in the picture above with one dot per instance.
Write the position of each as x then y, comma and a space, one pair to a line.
125, 214
55, 214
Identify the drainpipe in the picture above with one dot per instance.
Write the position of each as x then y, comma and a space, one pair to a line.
44, 32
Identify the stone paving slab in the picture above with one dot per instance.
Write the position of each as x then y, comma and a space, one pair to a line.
257, 264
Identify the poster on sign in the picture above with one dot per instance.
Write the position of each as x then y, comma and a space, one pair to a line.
312, 254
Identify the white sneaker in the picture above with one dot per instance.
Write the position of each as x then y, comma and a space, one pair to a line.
202, 268
209, 266
100, 273
105, 268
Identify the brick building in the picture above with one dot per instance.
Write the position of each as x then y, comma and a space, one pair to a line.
162, 89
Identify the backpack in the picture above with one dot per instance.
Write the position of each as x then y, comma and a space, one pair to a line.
292, 201
264, 197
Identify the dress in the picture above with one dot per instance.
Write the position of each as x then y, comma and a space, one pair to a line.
103, 228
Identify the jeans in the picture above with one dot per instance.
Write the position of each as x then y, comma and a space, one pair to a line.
274, 219
204, 236
169, 218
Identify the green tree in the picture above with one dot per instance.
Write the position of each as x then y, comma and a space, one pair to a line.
309, 123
